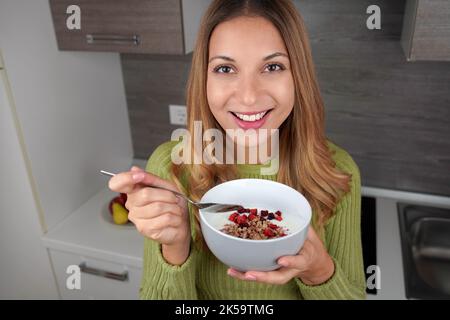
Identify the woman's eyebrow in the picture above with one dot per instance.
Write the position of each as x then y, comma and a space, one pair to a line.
270, 56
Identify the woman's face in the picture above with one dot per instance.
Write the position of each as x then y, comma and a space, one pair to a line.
249, 82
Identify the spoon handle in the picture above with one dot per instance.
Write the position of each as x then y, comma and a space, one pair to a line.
158, 187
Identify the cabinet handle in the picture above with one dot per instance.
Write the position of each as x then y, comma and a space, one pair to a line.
103, 273
113, 39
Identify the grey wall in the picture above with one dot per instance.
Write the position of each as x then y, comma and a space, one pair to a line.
390, 114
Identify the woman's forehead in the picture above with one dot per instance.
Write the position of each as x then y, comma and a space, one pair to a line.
245, 36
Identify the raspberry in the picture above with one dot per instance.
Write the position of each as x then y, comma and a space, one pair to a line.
233, 217
279, 218
253, 211
278, 213
251, 216
268, 232
241, 219
273, 226
264, 213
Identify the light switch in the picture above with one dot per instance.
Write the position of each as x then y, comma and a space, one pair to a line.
177, 115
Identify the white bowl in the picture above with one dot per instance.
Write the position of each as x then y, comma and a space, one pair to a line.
260, 255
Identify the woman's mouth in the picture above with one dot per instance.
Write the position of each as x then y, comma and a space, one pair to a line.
253, 120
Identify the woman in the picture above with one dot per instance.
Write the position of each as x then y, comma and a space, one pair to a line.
251, 57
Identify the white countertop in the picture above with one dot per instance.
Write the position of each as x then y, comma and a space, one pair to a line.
90, 231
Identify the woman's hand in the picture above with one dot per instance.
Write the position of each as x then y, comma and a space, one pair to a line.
313, 265
157, 214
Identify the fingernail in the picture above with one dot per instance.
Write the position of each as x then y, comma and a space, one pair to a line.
138, 176
250, 277
283, 263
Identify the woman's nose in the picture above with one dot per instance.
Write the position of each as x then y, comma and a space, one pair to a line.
247, 90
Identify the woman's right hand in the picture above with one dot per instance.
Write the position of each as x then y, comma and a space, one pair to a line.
157, 214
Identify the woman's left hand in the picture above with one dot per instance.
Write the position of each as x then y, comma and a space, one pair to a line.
313, 265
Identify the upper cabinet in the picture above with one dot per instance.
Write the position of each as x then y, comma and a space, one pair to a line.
131, 26
426, 30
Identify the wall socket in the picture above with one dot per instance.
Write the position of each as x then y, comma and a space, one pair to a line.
178, 115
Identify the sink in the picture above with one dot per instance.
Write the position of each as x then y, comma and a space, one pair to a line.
425, 236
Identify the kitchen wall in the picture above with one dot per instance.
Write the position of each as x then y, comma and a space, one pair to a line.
71, 107
391, 115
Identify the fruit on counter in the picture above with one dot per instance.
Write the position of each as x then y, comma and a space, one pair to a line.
119, 213
121, 199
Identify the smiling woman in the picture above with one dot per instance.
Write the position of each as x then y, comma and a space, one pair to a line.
251, 70
248, 88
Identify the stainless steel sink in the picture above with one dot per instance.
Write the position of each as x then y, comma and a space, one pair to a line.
425, 236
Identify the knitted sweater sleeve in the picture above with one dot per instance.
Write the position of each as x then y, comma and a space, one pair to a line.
161, 280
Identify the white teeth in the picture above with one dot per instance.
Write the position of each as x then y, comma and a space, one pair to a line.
250, 118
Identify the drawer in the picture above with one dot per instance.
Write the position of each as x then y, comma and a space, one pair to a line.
132, 26
99, 279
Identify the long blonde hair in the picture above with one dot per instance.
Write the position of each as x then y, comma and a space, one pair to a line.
311, 171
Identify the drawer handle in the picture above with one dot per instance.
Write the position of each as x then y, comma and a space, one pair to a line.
112, 39
103, 273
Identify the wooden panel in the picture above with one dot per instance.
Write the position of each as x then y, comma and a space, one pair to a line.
151, 84
390, 115
427, 34
158, 23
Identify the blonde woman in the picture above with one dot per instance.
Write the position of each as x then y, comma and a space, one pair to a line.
251, 57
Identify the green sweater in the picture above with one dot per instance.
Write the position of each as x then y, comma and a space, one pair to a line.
203, 276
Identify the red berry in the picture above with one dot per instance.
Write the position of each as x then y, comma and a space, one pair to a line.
241, 219
273, 226
233, 217
268, 232
279, 218
254, 211
264, 213
278, 213
251, 216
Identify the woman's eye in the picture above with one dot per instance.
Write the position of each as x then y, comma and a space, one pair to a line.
223, 69
273, 67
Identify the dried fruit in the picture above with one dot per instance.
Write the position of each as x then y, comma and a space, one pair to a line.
254, 226
233, 217
268, 233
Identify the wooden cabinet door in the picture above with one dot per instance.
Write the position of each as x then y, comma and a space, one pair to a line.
426, 30
126, 26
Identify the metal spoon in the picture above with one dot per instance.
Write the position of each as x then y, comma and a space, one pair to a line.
212, 207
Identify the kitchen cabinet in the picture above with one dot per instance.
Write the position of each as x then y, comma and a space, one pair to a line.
426, 30
99, 279
132, 26
25, 270
63, 117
